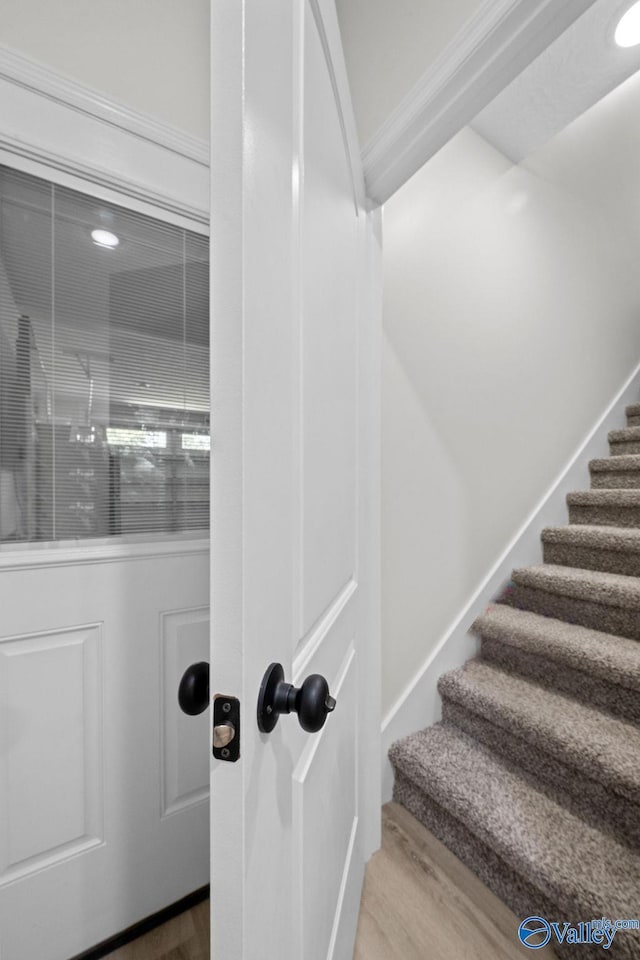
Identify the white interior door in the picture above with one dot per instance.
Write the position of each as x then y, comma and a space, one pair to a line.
295, 481
104, 565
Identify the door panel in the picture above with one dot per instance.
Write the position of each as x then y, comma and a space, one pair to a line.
184, 637
329, 279
103, 783
50, 687
325, 791
294, 493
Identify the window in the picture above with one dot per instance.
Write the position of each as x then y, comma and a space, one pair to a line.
104, 368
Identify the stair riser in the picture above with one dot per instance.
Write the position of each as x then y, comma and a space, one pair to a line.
633, 421
618, 448
603, 515
591, 558
532, 732
596, 616
615, 480
592, 800
603, 694
509, 885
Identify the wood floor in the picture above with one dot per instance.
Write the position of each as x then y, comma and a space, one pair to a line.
186, 937
419, 902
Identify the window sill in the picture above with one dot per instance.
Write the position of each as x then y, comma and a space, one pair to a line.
105, 550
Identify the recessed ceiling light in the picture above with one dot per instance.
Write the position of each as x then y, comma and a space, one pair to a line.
628, 30
103, 238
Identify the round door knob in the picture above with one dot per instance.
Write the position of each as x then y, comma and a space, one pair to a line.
193, 692
312, 701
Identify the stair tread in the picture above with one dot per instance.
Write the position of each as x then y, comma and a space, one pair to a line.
581, 867
612, 589
607, 497
628, 461
625, 435
633, 410
623, 539
603, 655
601, 746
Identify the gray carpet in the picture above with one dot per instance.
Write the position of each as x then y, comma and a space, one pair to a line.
622, 471
533, 776
623, 442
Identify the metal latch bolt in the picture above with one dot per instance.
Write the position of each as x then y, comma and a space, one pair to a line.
226, 728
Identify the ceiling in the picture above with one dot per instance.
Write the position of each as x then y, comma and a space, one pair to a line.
389, 45
576, 71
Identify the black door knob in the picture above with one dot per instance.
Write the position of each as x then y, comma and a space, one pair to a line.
312, 701
193, 692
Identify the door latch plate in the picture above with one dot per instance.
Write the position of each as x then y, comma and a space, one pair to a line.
226, 719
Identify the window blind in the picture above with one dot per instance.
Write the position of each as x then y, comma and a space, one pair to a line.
104, 368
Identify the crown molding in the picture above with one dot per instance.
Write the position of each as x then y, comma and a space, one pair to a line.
21, 70
493, 48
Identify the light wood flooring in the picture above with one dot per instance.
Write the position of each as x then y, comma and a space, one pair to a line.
419, 903
186, 937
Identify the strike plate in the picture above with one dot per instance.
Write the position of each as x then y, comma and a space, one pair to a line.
226, 713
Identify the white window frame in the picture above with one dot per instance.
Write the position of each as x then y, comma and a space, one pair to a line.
71, 135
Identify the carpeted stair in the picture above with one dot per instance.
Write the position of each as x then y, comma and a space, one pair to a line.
533, 775
624, 442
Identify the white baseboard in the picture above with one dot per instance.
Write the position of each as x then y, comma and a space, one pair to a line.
419, 705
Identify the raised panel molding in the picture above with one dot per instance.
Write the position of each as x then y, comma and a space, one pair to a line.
493, 48
325, 778
51, 748
326, 430
335, 614
184, 639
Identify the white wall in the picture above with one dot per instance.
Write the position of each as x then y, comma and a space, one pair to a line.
389, 45
152, 55
511, 317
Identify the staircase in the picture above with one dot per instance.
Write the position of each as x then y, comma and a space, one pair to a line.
532, 778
